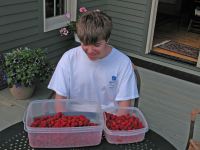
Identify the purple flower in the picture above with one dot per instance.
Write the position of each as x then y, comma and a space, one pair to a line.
64, 31
68, 15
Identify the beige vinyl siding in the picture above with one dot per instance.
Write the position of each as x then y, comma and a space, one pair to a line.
93, 4
21, 25
18, 8
19, 21
11, 2
129, 24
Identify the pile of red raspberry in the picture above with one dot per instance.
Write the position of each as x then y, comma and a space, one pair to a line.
123, 122
61, 120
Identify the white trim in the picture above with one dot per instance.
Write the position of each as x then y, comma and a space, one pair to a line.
44, 16
59, 21
73, 9
55, 23
152, 21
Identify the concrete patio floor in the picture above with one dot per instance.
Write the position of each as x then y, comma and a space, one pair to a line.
12, 110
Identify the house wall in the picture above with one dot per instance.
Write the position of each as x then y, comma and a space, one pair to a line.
93, 4
130, 19
21, 25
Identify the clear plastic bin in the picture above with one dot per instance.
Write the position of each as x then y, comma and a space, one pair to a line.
125, 136
64, 136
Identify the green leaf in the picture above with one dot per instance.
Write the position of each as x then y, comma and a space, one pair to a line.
25, 65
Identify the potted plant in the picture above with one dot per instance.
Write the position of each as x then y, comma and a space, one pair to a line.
71, 25
24, 67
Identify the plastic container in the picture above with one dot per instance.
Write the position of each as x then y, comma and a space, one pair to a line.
125, 136
64, 136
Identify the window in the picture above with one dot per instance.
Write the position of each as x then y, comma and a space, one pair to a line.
54, 11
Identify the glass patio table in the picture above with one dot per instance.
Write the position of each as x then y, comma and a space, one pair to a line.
15, 138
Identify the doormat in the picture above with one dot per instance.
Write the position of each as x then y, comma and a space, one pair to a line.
179, 48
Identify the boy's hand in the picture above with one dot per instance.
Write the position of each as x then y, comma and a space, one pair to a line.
58, 104
126, 103
60, 97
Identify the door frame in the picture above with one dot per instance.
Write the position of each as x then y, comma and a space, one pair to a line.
151, 28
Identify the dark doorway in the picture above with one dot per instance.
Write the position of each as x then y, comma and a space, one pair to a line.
172, 24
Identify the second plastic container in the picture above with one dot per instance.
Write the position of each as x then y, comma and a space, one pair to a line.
125, 136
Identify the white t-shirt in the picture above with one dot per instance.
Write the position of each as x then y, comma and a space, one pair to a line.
107, 80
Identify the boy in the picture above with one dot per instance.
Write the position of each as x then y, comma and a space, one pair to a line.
95, 70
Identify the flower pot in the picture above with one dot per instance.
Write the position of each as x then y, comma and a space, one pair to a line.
76, 38
22, 92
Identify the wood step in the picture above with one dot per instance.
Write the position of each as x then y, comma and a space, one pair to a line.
161, 51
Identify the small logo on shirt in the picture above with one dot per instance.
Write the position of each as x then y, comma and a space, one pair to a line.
114, 78
112, 82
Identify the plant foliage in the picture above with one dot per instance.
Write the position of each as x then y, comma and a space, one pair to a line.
25, 66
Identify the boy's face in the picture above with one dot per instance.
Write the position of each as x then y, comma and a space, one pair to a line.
97, 51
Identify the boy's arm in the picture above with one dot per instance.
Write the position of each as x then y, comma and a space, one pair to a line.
58, 105
57, 96
125, 103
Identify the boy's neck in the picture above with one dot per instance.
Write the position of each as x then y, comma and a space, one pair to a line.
108, 50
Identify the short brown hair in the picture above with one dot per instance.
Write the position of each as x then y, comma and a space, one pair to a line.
94, 26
